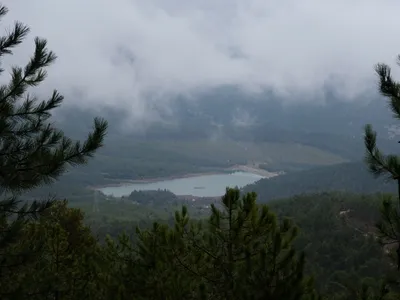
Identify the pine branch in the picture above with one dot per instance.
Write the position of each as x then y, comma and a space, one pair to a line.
13, 38
389, 88
377, 162
32, 151
41, 164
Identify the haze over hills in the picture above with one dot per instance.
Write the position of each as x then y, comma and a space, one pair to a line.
225, 129
231, 112
221, 81
228, 114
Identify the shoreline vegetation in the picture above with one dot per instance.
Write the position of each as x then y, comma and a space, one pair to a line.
236, 168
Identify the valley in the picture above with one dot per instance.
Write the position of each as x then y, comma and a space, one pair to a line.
199, 155
137, 182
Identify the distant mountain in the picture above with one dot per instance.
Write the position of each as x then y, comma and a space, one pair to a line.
349, 177
228, 112
225, 126
233, 108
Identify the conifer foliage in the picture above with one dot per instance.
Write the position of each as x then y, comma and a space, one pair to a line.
32, 151
380, 164
240, 252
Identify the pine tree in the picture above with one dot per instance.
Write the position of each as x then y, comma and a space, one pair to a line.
151, 268
69, 263
388, 165
240, 252
380, 164
249, 254
32, 151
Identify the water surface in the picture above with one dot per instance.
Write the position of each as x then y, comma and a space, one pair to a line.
200, 186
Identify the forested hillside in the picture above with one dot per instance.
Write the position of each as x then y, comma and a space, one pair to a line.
351, 177
337, 231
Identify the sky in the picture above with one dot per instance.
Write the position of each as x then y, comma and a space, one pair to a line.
137, 54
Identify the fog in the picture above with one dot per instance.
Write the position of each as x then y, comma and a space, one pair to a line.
139, 54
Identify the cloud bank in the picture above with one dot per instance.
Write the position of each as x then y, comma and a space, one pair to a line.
137, 54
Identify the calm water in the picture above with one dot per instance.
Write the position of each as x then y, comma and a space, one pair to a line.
201, 186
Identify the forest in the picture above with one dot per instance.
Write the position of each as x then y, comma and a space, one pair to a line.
331, 245
352, 176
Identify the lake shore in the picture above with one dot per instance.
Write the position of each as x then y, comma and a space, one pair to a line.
253, 169
123, 182
236, 168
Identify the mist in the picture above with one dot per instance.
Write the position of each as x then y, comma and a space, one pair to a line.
138, 55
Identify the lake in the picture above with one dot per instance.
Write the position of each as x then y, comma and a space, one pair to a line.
199, 186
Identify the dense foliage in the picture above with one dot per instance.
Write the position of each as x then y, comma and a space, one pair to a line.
336, 233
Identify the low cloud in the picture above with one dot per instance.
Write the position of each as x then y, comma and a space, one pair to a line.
139, 54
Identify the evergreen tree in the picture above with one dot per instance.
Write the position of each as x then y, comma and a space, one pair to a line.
69, 263
240, 252
32, 151
151, 268
380, 164
248, 254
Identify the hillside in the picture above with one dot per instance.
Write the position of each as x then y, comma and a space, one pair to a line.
156, 159
351, 177
152, 159
338, 246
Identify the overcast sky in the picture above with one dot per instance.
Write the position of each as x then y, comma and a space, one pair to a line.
116, 52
